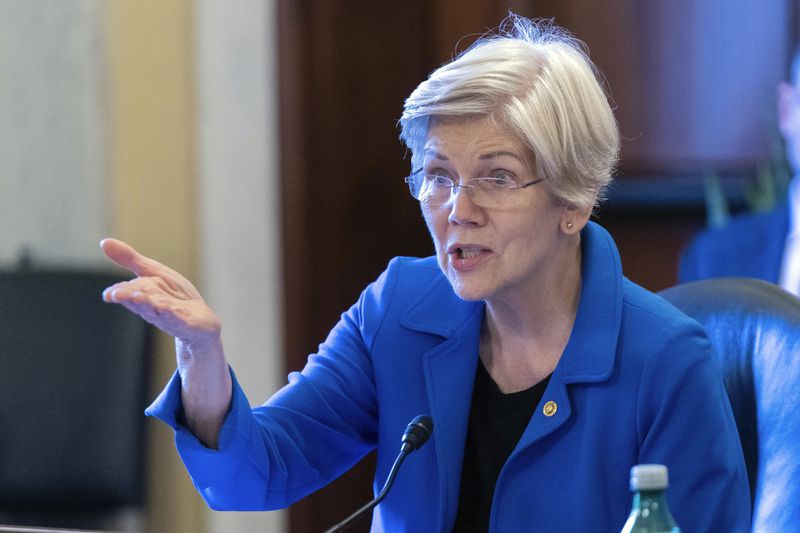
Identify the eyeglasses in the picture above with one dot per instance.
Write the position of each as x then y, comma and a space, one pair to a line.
434, 189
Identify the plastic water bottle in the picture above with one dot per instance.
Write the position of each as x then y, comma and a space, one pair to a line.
650, 512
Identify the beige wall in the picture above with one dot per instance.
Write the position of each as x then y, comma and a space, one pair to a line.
52, 132
193, 177
152, 119
239, 207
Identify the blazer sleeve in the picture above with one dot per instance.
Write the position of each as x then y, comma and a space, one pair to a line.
311, 431
685, 422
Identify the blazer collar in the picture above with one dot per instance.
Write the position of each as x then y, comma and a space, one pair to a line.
589, 355
591, 350
438, 310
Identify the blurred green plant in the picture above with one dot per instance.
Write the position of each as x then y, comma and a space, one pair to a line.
766, 190
717, 210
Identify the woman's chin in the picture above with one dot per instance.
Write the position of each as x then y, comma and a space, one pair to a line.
470, 286
467, 291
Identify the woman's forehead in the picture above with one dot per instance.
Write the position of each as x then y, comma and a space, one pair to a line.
473, 139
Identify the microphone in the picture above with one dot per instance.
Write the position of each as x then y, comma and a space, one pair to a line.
416, 434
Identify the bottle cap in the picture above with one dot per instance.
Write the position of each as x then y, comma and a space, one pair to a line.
649, 477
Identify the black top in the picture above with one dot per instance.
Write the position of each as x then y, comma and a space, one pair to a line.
496, 423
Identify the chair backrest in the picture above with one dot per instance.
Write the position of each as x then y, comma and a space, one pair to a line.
755, 329
73, 374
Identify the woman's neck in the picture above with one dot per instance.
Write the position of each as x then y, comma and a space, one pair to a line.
523, 337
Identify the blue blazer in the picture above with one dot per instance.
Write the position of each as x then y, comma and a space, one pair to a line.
635, 384
748, 246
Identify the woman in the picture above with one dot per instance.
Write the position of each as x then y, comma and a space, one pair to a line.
546, 372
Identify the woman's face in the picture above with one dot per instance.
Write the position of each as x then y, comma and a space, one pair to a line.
498, 252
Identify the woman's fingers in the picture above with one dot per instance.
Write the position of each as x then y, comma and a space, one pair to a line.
129, 290
123, 254
159, 295
130, 259
184, 317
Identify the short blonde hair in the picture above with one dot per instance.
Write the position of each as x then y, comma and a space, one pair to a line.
535, 79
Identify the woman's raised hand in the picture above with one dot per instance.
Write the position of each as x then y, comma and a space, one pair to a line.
170, 302
161, 296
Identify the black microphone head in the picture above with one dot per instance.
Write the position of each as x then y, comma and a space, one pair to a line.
417, 432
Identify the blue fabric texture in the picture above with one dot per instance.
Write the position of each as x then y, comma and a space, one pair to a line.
635, 384
749, 246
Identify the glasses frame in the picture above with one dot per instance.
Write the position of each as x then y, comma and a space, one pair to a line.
466, 185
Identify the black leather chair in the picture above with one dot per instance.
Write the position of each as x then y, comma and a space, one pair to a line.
755, 329
73, 374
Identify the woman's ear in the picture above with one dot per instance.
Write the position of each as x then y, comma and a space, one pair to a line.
574, 219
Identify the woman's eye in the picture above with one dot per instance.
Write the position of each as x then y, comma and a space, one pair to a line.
438, 178
503, 181
498, 183
503, 177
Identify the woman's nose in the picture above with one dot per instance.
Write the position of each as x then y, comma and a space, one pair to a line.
462, 209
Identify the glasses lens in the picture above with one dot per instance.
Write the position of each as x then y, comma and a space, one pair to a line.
436, 189
414, 182
485, 192
491, 192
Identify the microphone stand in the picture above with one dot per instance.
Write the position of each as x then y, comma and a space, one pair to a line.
415, 435
379, 498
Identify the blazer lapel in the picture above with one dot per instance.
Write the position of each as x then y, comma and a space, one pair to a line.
449, 369
591, 350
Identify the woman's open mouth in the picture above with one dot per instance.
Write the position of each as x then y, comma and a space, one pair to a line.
467, 257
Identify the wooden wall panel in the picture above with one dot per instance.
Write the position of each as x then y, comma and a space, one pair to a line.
346, 68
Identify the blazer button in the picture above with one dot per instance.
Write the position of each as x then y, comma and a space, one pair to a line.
550, 408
